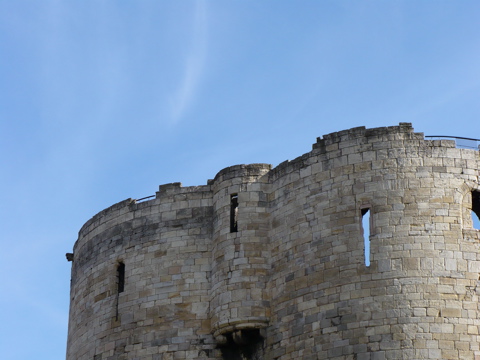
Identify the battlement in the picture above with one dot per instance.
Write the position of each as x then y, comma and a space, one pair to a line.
404, 131
362, 248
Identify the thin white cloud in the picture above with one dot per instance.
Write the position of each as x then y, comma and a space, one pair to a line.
194, 66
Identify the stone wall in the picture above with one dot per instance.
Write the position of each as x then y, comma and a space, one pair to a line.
290, 281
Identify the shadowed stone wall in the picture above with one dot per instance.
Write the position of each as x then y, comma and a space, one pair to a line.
290, 281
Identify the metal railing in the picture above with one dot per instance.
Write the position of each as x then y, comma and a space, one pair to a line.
460, 142
145, 198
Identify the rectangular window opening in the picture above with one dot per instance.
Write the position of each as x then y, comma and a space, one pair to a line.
121, 277
234, 213
366, 226
476, 209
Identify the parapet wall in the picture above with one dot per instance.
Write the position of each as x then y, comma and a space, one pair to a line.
266, 263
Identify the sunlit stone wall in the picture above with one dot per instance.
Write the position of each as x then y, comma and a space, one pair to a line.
291, 280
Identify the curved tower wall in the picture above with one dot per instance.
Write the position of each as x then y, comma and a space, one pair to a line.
418, 298
165, 245
295, 266
240, 256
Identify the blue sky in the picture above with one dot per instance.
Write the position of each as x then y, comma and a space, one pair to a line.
105, 100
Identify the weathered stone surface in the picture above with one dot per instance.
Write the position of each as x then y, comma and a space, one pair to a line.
289, 280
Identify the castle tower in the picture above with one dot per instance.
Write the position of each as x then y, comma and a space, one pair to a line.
240, 254
281, 263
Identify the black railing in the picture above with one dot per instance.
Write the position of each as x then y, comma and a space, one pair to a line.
144, 198
460, 142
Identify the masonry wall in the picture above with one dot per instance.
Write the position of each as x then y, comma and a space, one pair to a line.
240, 258
165, 245
292, 277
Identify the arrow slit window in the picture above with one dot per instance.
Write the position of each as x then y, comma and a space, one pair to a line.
234, 213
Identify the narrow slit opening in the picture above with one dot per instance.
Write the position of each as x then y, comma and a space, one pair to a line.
476, 209
366, 234
121, 277
234, 213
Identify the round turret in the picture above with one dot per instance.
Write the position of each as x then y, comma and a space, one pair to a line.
240, 251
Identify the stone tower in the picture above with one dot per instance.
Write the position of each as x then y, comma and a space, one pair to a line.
265, 263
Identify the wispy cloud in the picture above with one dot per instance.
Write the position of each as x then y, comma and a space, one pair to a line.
194, 65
